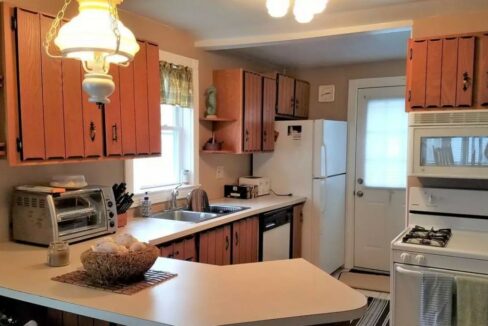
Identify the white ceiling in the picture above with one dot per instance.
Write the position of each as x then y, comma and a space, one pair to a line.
347, 32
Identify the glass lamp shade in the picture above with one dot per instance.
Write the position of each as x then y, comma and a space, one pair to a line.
277, 8
90, 34
304, 10
319, 6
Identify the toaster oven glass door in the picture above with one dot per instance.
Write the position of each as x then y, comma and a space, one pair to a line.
79, 214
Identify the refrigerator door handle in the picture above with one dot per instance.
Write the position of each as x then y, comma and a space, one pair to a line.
323, 161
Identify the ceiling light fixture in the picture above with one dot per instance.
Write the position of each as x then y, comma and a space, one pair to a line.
97, 38
303, 10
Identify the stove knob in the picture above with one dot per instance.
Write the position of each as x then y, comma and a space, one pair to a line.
405, 257
112, 224
420, 259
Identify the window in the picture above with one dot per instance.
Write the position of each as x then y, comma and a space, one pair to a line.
178, 162
386, 143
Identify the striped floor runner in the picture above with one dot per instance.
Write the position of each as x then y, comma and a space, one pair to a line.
377, 314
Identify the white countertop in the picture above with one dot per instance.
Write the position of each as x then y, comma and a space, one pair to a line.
157, 231
286, 292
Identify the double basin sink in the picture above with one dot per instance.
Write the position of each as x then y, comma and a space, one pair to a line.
214, 211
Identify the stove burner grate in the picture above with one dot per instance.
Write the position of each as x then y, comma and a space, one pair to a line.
422, 236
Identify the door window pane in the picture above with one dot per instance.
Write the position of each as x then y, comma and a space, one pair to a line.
454, 151
385, 161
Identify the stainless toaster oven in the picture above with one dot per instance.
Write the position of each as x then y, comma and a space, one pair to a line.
72, 216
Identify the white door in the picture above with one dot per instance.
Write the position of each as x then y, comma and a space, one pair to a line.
381, 174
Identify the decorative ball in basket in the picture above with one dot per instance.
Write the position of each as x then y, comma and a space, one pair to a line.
119, 260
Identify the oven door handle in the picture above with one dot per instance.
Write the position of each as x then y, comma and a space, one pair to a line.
404, 270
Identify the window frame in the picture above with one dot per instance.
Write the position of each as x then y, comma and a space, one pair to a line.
163, 194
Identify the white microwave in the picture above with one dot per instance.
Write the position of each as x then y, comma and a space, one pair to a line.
448, 144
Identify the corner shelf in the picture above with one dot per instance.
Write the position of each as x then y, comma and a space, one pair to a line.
218, 119
203, 151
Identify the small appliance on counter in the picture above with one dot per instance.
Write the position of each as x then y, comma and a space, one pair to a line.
240, 192
263, 184
71, 216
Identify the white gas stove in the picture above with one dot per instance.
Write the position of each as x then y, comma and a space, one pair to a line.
465, 214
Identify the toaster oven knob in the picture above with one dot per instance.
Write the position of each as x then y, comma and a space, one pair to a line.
405, 257
420, 259
112, 224
111, 214
110, 204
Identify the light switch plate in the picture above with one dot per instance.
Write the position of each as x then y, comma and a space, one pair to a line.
326, 93
220, 172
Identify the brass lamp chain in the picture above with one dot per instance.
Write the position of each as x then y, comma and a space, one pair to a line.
53, 30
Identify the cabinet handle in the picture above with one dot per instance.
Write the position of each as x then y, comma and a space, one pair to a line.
226, 242
93, 131
237, 238
177, 253
466, 81
115, 136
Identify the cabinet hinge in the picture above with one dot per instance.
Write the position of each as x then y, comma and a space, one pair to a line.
411, 53
19, 145
13, 23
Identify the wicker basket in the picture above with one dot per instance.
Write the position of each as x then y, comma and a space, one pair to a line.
110, 268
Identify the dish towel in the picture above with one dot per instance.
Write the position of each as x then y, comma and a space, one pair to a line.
472, 301
436, 292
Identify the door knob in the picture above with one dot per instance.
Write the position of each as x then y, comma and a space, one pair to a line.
360, 181
359, 193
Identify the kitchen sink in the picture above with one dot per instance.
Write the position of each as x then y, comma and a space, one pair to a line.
185, 216
196, 217
225, 209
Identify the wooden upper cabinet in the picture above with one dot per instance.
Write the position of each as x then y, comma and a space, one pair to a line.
140, 96
252, 111
92, 128
465, 69
269, 100
31, 113
449, 71
483, 71
127, 110
286, 95
418, 74
113, 128
153, 100
302, 98
434, 69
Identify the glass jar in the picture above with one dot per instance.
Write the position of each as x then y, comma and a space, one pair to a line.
58, 254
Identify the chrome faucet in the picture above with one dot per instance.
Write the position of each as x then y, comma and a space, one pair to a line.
173, 204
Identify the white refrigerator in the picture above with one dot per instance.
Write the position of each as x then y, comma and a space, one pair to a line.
310, 160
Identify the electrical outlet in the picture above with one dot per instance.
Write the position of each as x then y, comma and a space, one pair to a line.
220, 172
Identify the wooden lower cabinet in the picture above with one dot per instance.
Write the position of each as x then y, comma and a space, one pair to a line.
296, 224
245, 239
184, 249
215, 246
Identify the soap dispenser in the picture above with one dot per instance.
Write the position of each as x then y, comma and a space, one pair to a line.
146, 206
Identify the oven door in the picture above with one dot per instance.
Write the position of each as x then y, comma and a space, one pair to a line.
449, 151
406, 299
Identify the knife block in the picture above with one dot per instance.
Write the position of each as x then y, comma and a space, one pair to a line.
121, 220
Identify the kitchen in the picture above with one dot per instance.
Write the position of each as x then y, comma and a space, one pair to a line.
178, 41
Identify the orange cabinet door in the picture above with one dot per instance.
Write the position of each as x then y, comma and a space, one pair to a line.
297, 223
464, 85
483, 71
73, 109
52, 93
286, 101
417, 74
30, 85
434, 69
167, 250
245, 235
269, 104
252, 111
449, 71
92, 128
302, 98
113, 136
153, 98
190, 250
179, 250
140, 99
236, 242
127, 110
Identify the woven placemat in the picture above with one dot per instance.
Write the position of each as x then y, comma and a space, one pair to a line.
81, 278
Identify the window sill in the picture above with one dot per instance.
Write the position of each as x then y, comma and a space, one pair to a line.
164, 194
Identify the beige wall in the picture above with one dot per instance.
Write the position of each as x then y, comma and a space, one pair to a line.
340, 76
169, 39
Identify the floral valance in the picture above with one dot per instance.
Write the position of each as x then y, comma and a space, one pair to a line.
176, 84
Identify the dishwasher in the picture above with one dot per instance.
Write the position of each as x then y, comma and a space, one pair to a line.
275, 234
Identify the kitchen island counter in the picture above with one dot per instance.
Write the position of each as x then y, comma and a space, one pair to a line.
287, 292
